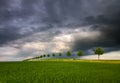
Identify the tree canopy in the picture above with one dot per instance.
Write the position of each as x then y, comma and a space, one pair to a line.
99, 51
68, 53
79, 53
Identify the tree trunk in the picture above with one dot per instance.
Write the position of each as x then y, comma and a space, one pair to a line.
98, 57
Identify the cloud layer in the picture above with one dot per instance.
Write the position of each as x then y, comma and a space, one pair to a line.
33, 27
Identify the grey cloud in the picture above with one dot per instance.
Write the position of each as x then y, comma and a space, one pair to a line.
8, 34
109, 26
26, 18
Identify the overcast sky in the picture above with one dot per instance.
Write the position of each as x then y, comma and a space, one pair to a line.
32, 27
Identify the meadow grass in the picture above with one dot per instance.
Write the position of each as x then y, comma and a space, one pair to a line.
60, 71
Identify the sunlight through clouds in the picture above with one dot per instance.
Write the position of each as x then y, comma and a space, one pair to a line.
32, 27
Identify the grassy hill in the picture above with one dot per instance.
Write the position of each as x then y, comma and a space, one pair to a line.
60, 71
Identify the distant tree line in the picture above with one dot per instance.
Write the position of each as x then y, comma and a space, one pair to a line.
99, 51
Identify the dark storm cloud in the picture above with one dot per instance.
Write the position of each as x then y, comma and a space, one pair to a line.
15, 15
29, 15
109, 26
62, 10
8, 34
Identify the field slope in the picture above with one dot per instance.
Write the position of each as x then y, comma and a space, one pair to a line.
60, 72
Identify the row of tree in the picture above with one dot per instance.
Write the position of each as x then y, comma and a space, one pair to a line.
99, 51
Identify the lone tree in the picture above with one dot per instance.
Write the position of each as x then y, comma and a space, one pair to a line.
79, 53
60, 54
68, 53
99, 51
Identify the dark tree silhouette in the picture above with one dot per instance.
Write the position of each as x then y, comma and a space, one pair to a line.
60, 54
68, 53
79, 53
99, 51
53, 54
48, 55
44, 55
41, 56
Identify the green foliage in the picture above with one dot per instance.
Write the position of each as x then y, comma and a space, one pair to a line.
26, 59
48, 55
68, 53
36, 57
33, 58
44, 55
53, 54
59, 72
60, 54
79, 53
41, 56
99, 51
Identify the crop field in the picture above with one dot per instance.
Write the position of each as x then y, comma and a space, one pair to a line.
60, 71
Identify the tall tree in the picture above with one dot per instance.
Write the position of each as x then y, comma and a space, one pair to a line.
79, 53
41, 56
48, 55
60, 54
44, 55
68, 53
53, 54
99, 51
36, 57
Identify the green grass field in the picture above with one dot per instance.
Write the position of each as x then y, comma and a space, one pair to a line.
60, 72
